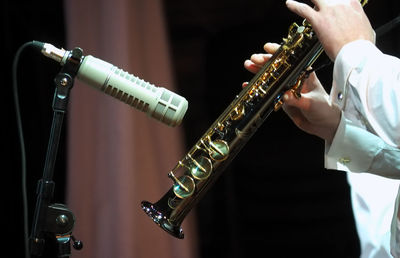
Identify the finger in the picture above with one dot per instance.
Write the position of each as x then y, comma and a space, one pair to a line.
302, 9
260, 59
271, 47
251, 67
291, 101
297, 114
310, 83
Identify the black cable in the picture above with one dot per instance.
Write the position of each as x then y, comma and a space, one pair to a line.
382, 30
22, 145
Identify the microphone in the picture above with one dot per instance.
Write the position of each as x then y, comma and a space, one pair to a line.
157, 102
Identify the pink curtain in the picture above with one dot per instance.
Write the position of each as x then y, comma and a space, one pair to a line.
117, 156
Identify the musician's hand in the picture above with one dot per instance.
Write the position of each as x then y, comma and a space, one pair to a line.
336, 22
314, 113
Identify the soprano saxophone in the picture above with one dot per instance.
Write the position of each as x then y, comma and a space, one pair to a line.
203, 164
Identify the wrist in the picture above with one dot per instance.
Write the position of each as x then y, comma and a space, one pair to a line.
333, 124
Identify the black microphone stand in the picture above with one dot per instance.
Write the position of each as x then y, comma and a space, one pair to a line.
55, 221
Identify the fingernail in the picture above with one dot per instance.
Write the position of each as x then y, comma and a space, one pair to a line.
286, 97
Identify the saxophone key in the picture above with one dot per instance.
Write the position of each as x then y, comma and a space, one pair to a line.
184, 186
238, 112
173, 202
201, 167
278, 103
220, 127
219, 150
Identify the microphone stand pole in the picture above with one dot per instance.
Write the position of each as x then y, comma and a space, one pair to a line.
55, 221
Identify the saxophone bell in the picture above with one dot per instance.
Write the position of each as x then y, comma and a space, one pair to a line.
161, 219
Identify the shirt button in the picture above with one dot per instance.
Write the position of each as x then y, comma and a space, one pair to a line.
340, 96
344, 161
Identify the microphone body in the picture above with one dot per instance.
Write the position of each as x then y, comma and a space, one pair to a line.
157, 102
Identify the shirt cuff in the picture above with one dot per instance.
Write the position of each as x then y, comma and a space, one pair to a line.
352, 149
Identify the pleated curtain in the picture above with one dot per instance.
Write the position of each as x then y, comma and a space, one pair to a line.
117, 155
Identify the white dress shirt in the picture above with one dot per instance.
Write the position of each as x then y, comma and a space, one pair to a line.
366, 86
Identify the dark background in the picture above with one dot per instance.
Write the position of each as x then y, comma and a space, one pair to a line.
274, 200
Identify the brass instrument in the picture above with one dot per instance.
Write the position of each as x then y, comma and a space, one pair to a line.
204, 163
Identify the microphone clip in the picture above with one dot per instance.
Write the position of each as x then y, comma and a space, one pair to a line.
64, 80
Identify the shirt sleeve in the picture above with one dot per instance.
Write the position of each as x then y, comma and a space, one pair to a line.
374, 78
357, 150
